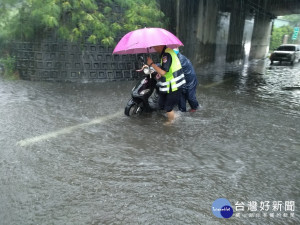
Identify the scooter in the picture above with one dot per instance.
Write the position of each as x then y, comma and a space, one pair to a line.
142, 91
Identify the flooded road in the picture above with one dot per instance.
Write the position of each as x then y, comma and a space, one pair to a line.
69, 155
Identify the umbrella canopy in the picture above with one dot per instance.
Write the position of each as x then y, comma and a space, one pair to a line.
141, 41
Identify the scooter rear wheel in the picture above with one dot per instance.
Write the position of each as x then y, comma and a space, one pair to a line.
133, 109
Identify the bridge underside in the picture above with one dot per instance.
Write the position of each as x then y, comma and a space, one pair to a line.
198, 24
283, 7
267, 7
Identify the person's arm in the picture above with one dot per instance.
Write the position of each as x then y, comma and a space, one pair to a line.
166, 64
157, 68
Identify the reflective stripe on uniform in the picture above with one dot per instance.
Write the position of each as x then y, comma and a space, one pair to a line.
163, 89
163, 83
178, 84
177, 78
177, 81
163, 86
171, 81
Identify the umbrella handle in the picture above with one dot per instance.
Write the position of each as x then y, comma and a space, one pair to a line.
149, 66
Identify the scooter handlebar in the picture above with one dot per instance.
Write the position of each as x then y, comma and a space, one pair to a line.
145, 68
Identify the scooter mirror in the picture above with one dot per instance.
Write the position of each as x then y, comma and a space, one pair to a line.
141, 59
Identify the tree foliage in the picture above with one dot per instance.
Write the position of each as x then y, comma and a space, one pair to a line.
77, 20
8, 9
294, 19
278, 35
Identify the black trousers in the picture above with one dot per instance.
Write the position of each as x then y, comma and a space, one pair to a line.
169, 100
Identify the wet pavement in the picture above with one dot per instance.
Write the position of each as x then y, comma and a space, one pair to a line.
69, 155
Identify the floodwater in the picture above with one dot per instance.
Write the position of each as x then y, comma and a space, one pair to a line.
69, 155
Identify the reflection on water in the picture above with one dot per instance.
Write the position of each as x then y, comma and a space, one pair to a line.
276, 85
242, 145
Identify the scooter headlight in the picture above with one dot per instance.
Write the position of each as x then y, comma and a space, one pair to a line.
146, 70
143, 92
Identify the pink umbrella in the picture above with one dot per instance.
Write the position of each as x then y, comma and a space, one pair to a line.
141, 41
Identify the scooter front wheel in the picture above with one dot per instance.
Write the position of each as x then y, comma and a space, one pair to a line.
133, 109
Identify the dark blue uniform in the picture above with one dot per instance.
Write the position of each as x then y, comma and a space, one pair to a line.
189, 88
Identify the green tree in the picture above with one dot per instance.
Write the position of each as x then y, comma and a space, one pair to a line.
77, 20
294, 19
8, 9
278, 34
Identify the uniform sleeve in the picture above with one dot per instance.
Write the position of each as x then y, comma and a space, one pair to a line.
166, 62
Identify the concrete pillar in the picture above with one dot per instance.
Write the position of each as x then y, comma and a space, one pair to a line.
285, 39
235, 49
222, 37
197, 27
260, 37
169, 8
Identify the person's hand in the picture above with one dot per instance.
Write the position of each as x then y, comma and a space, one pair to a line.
158, 76
142, 68
149, 61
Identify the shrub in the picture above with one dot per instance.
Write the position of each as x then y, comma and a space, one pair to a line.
9, 65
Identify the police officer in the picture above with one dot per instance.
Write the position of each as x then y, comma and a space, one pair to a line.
172, 73
188, 92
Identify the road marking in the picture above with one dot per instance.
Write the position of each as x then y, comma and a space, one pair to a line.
67, 130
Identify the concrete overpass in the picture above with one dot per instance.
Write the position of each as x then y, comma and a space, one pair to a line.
271, 7
205, 26
283, 7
